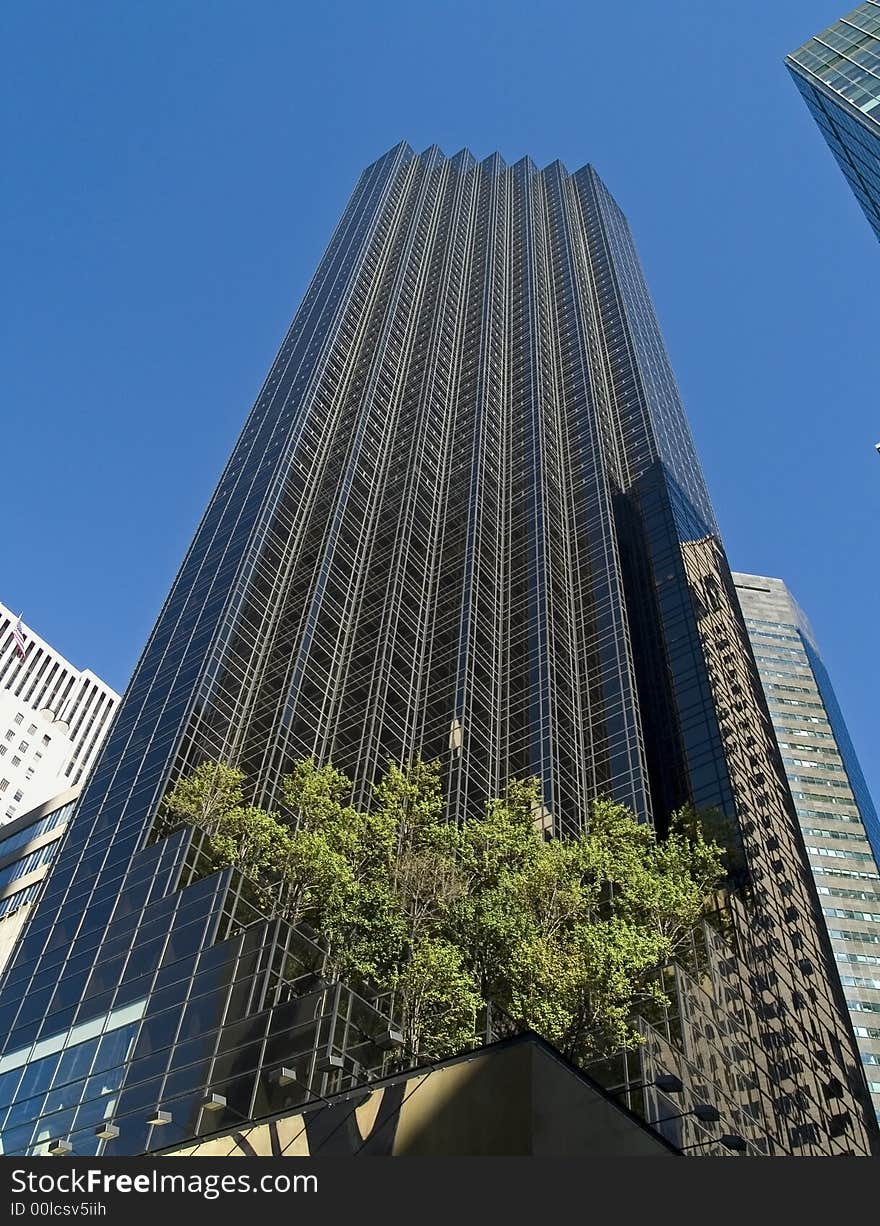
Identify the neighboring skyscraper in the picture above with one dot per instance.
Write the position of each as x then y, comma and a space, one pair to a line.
53, 720
837, 817
465, 517
838, 73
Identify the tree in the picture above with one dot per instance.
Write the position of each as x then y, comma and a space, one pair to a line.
202, 798
568, 936
253, 841
438, 1000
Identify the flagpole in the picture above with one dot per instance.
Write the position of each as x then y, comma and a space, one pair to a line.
18, 637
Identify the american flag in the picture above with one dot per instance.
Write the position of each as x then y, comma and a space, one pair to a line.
18, 637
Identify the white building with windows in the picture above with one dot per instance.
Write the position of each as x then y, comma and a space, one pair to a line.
53, 720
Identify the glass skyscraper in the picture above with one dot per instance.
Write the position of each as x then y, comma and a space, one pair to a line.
837, 816
466, 518
838, 74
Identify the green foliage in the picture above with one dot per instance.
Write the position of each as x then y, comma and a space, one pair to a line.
439, 1003
203, 798
567, 935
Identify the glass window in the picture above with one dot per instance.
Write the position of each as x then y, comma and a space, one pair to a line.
94, 1111
8, 1083
115, 1047
75, 1062
16, 1140
37, 1077
22, 1111
54, 1126
63, 1097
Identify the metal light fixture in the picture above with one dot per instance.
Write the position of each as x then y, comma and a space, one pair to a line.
285, 1076
732, 1140
668, 1083
214, 1102
390, 1039
330, 1062
706, 1113
833, 1088
107, 1131
60, 1149
159, 1118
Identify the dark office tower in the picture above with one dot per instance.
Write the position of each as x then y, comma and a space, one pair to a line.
838, 74
465, 517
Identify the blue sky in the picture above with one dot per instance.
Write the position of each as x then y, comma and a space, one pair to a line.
172, 172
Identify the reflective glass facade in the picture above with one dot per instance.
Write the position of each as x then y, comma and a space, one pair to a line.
838, 74
28, 846
837, 816
464, 517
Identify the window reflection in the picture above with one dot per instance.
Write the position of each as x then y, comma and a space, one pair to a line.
104, 1056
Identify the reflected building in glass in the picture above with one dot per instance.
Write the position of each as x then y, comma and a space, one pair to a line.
466, 518
838, 75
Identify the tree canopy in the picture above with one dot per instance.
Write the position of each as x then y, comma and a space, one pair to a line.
566, 935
